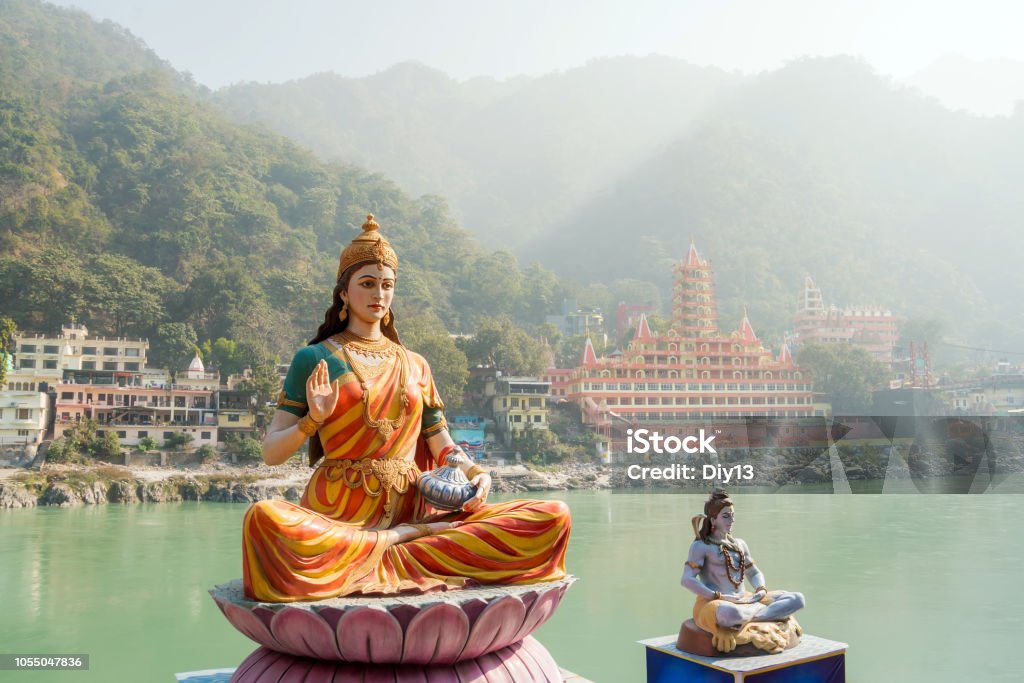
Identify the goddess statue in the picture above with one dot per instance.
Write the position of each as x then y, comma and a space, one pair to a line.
376, 422
715, 570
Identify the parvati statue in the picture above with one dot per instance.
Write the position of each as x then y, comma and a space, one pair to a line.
376, 422
716, 568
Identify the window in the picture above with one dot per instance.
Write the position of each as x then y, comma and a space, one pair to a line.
517, 418
131, 367
233, 418
536, 418
88, 350
88, 365
109, 350
133, 352
168, 435
27, 363
122, 435
143, 434
205, 435
67, 395
51, 348
28, 348
109, 365
24, 414
50, 364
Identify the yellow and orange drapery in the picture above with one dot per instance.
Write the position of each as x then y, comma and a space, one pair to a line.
331, 544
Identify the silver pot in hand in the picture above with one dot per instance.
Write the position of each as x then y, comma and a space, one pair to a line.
446, 488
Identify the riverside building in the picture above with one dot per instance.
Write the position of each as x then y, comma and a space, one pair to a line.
870, 327
695, 374
43, 358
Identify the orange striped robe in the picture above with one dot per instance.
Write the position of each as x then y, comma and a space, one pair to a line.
331, 544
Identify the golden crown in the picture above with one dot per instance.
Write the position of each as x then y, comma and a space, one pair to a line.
369, 247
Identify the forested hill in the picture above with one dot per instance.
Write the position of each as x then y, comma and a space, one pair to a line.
128, 203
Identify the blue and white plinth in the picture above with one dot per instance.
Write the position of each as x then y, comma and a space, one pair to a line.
814, 660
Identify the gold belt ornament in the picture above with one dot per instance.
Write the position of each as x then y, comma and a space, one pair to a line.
392, 473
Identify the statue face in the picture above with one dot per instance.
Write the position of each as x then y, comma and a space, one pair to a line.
722, 523
370, 292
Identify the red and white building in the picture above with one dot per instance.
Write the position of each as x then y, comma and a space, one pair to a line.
869, 327
695, 374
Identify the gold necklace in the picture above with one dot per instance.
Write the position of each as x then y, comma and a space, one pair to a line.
382, 348
384, 426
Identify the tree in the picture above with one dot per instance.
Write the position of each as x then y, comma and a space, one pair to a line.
246, 448
178, 440
427, 336
539, 294
124, 295
173, 346
7, 331
81, 438
147, 443
847, 373
226, 354
918, 330
570, 351
108, 446
502, 345
207, 453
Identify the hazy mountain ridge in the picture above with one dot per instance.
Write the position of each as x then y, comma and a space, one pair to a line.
826, 168
823, 166
500, 151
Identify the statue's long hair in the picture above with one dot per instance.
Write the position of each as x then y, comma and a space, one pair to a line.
333, 325
702, 523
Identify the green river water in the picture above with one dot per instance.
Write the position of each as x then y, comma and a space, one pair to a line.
922, 587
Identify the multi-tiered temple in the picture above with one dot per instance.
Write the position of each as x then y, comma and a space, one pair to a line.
694, 372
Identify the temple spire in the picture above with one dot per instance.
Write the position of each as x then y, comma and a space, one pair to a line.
589, 356
692, 257
747, 330
643, 330
785, 356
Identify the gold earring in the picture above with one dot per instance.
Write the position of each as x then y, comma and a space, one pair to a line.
344, 311
387, 317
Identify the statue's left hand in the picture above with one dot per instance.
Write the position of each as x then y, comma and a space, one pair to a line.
482, 482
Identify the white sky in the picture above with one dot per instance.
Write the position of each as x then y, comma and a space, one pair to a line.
226, 41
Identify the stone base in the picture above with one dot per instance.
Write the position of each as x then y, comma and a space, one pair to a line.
696, 640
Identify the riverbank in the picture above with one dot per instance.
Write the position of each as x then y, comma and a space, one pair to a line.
101, 484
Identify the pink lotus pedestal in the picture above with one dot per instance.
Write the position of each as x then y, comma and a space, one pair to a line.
423, 632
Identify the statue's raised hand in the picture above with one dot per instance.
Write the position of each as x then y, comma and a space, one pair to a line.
321, 393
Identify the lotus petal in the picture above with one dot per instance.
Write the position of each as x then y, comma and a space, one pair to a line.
369, 634
303, 633
437, 635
